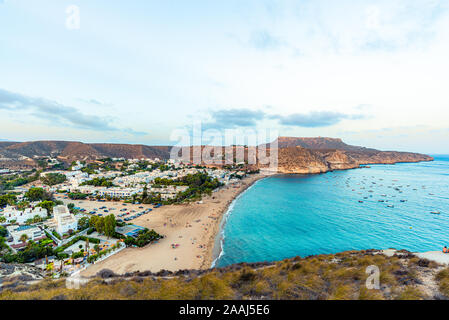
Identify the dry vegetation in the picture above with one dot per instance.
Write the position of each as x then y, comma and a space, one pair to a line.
339, 277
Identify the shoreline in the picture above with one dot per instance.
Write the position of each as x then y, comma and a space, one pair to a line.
196, 227
216, 252
193, 226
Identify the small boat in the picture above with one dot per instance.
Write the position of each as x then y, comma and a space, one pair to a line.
435, 212
360, 201
380, 200
403, 200
390, 206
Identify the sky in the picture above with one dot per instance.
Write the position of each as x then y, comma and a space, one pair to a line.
374, 73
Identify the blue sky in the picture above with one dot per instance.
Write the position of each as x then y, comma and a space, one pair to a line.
373, 73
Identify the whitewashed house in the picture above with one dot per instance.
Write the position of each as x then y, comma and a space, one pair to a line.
63, 220
16, 232
12, 214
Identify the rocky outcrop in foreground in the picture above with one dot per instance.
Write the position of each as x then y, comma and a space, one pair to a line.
19, 272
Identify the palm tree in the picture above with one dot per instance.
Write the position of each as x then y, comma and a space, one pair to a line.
23, 238
60, 258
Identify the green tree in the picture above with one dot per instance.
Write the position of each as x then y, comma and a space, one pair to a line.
83, 223
99, 182
77, 196
51, 179
23, 238
109, 225
22, 205
37, 194
3, 231
99, 225
8, 199
42, 163
47, 205
37, 219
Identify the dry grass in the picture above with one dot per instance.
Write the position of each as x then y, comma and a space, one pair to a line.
338, 277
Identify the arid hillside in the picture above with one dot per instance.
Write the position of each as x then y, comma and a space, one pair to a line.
341, 276
318, 143
68, 151
295, 155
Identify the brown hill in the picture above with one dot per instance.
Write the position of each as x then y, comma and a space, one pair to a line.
318, 143
69, 150
80, 151
132, 151
6, 143
300, 160
315, 155
38, 148
295, 155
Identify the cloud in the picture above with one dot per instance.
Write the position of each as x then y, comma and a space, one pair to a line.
58, 113
363, 106
234, 118
96, 102
265, 41
315, 119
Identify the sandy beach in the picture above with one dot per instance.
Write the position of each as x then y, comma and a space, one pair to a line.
193, 227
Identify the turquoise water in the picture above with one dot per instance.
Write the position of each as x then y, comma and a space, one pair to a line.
290, 215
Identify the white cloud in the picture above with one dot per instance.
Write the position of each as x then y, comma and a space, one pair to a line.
157, 66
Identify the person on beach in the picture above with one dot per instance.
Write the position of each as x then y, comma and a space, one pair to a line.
445, 250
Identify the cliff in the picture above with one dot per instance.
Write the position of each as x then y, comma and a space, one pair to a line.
317, 155
300, 160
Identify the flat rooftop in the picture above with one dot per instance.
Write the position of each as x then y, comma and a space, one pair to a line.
129, 230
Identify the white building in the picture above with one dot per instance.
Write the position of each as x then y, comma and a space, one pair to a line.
118, 192
16, 232
63, 220
12, 214
168, 192
78, 166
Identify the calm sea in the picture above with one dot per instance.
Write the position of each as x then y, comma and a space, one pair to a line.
290, 215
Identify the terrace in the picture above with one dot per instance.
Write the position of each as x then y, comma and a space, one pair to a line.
131, 230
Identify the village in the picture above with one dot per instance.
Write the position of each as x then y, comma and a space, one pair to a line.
71, 218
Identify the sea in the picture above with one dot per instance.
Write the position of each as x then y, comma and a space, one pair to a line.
401, 206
